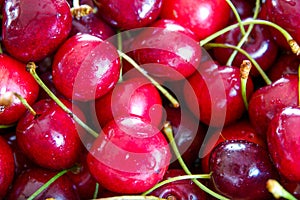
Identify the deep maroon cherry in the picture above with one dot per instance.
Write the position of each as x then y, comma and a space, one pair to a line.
179, 190
130, 156
202, 17
15, 78
267, 101
33, 29
129, 14
51, 138
240, 170
283, 141
85, 67
32, 179
7, 167
244, 9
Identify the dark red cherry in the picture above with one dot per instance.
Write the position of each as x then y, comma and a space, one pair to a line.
129, 14
179, 190
283, 141
240, 170
15, 78
47, 79
215, 91
85, 67
244, 9
33, 29
129, 156
32, 179
202, 17
51, 138
136, 97
7, 167
267, 101
260, 45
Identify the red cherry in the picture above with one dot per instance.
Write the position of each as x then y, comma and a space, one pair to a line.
15, 78
51, 138
201, 16
129, 156
33, 29
85, 67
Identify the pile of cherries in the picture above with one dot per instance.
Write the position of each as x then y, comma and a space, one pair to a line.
150, 99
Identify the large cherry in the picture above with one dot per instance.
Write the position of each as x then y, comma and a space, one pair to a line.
129, 156
51, 137
85, 67
129, 14
201, 16
283, 141
240, 170
15, 78
33, 29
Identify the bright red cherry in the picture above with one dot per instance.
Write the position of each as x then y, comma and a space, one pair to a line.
33, 29
129, 156
85, 67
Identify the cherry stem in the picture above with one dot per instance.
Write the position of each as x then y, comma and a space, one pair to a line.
7, 126
79, 11
48, 183
31, 67
278, 191
237, 16
96, 191
169, 133
120, 48
177, 178
242, 51
132, 198
76, 3
245, 35
244, 73
174, 102
25, 103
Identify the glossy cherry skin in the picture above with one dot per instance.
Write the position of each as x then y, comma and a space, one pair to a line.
34, 29
32, 179
136, 97
129, 14
85, 67
179, 190
260, 45
217, 93
241, 130
283, 142
15, 78
201, 16
239, 167
7, 166
51, 138
267, 101
166, 53
129, 156
244, 9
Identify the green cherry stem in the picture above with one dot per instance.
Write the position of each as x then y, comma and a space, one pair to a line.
96, 191
120, 48
278, 191
244, 72
237, 16
31, 67
174, 102
25, 103
7, 126
253, 61
169, 133
177, 178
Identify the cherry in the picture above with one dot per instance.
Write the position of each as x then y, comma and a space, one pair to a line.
202, 17
47, 78
183, 189
240, 170
32, 179
33, 29
283, 137
51, 137
7, 166
85, 67
129, 14
218, 94
271, 99
244, 9
15, 78
134, 96
129, 156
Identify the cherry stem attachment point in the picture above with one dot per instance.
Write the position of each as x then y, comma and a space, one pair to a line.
169, 133
244, 73
79, 11
278, 191
31, 68
174, 102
